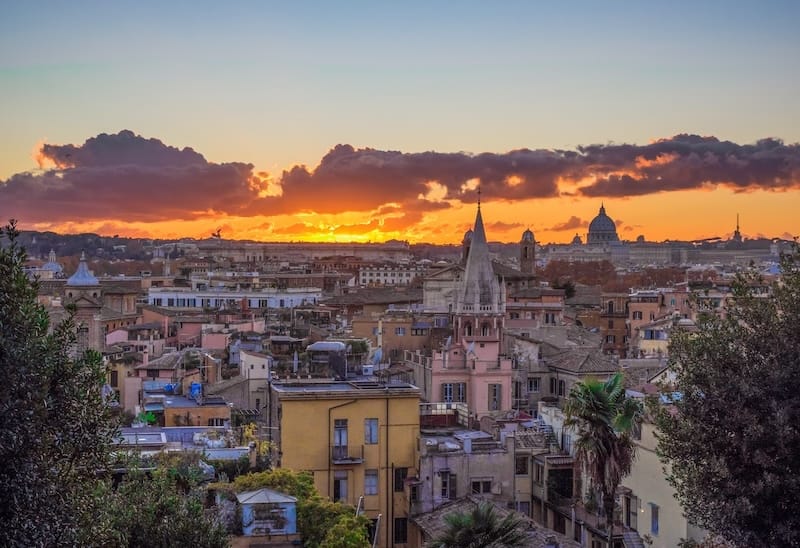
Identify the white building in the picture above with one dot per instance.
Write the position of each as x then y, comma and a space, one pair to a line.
221, 298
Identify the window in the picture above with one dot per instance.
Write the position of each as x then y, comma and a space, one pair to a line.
611, 324
516, 390
610, 339
637, 314
447, 392
339, 438
524, 508
400, 331
481, 487
538, 473
400, 530
654, 518
370, 482
495, 397
521, 466
562, 388
552, 385
533, 384
454, 392
460, 392
514, 315
258, 403
400, 475
340, 486
114, 378
153, 373
566, 441
485, 330
549, 318
216, 422
468, 329
448, 485
370, 431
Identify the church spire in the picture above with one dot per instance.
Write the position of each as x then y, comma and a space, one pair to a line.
480, 290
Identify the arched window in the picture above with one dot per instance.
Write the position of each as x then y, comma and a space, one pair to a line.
610, 307
468, 329
485, 330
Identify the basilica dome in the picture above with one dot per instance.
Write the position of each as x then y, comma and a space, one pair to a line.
602, 229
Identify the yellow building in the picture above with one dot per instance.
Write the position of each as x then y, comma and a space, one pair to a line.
358, 438
648, 503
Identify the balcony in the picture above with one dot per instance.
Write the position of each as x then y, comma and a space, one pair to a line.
347, 454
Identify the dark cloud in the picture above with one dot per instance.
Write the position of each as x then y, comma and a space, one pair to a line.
128, 177
570, 224
690, 162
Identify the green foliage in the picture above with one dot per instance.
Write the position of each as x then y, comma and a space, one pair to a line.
162, 509
604, 417
482, 527
296, 484
348, 532
57, 430
566, 284
232, 469
733, 445
316, 516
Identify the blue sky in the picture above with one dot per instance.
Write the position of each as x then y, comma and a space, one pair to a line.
280, 83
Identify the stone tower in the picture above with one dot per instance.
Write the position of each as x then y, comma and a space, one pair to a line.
84, 293
527, 253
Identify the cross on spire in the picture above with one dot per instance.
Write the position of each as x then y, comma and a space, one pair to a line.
479, 196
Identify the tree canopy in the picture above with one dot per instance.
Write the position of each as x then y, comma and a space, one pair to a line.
604, 417
482, 528
57, 429
317, 517
733, 442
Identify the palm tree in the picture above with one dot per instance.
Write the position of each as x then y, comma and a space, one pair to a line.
604, 417
481, 528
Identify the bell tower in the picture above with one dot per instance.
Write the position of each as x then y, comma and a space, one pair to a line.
527, 253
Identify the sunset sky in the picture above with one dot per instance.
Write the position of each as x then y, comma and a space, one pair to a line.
367, 121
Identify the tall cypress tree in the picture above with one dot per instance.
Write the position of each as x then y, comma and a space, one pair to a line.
56, 429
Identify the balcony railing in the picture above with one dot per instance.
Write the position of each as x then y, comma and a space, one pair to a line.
347, 454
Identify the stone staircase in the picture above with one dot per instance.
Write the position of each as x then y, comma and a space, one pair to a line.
631, 539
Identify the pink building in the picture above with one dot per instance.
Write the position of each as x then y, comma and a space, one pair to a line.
471, 368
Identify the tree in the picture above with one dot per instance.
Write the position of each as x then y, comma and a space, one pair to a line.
604, 417
316, 516
57, 429
347, 532
162, 509
482, 527
732, 442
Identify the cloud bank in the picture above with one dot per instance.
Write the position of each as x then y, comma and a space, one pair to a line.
126, 177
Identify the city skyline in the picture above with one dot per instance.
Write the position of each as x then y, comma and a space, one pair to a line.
366, 123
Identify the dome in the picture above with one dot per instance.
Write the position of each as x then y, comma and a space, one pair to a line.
82, 276
577, 240
467, 236
602, 229
527, 236
52, 265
